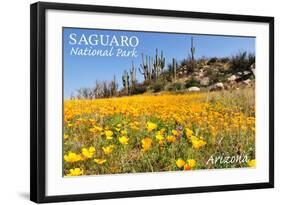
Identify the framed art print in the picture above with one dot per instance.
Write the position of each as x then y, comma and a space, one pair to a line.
129, 102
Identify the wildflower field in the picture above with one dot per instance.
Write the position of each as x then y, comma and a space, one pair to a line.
155, 133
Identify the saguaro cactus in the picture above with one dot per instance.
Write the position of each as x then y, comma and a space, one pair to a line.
133, 74
125, 81
174, 67
192, 49
145, 67
113, 87
152, 72
158, 64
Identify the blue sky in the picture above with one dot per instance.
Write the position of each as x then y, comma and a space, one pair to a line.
83, 71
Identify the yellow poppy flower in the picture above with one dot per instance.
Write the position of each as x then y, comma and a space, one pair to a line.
70, 125
88, 153
175, 132
108, 134
191, 163
108, 150
92, 149
197, 143
135, 125
100, 161
96, 129
188, 132
171, 138
146, 144
180, 163
65, 136
123, 140
159, 137
75, 172
151, 126
72, 157
252, 163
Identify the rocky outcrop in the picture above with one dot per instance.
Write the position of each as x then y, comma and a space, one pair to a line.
205, 81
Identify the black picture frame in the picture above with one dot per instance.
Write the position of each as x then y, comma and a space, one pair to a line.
38, 100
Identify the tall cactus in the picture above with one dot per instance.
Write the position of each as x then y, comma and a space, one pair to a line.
162, 62
125, 81
133, 76
145, 67
192, 50
113, 86
158, 65
174, 67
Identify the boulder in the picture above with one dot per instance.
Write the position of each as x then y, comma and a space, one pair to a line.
193, 89
232, 78
246, 72
217, 86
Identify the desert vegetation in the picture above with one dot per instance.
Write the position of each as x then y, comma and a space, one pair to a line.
180, 116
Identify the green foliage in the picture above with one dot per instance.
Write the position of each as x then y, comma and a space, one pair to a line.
175, 86
189, 65
224, 60
157, 78
210, 72
158, 86
191, 83
212, 60
138, 89
242, 62
167, 75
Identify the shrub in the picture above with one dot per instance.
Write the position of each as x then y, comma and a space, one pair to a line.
210, 72
138, 89
212, 60
191, 83
225, 60
189, 65
158, 86
175, 86
242, 62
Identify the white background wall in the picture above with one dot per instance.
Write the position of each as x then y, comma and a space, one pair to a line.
14, 100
